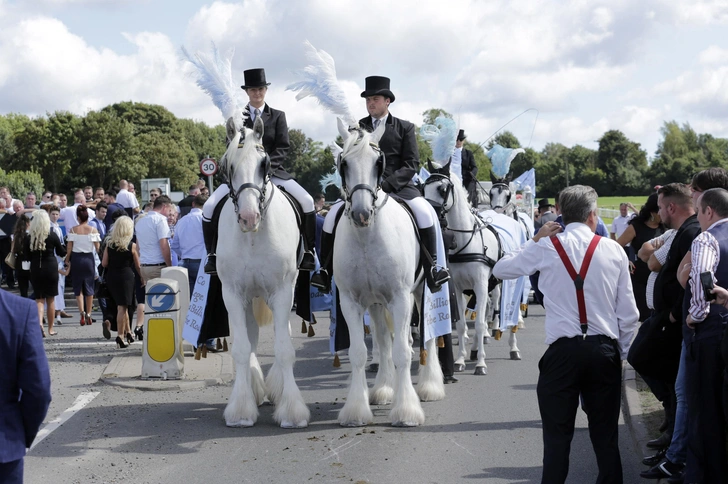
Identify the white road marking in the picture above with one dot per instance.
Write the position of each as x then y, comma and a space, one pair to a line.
81, 401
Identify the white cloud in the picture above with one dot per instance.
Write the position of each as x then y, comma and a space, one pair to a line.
714, 55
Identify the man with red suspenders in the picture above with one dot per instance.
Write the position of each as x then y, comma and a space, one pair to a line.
591, 317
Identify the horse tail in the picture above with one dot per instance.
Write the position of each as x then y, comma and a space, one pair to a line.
388, 320
261, 311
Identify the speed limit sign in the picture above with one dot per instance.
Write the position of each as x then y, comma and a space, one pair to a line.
208, 167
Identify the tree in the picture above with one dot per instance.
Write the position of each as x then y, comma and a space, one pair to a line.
60, 147
429, 116
505, 138
308, 160
108, 151
624, 164
21, 182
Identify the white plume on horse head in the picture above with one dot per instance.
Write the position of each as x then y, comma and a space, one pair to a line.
320, 82
441, 136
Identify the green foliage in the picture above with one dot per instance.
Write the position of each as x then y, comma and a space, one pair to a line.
429, 116
308, 160
21, 182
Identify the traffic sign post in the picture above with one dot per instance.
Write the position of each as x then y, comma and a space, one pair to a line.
208, 167
162, 356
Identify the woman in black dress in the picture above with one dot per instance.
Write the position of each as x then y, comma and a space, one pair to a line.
20, 233
41, 248
119, 258
643, 227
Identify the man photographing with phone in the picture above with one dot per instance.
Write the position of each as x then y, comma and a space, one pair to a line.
706, 322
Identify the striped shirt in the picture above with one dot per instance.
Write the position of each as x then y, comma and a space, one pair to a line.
705, 258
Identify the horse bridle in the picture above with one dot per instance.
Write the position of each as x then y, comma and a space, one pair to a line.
341, 165
263, 201
507, 187
441, 208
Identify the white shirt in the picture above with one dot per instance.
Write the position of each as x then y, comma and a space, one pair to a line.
619, 224
661, 256
68, 219
188, 242
149, 231
126, 199
610, 306
456, 165
251, 110
381, 120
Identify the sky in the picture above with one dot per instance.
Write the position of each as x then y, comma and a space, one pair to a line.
571, 69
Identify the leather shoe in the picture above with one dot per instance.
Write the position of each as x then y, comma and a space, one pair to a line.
663, 441
653, 460
662, 470
449, 379
678, 478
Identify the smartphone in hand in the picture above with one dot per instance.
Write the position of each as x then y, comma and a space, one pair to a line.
706, 280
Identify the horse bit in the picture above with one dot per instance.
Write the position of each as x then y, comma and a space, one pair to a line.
263, 201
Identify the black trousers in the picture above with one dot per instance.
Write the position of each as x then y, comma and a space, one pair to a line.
704, 369
447, 359
11, 472
591, 368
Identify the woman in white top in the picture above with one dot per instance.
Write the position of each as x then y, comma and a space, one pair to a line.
83, 240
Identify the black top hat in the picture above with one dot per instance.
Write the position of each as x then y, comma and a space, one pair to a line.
254, 78
461, 135
544, 203
377, 85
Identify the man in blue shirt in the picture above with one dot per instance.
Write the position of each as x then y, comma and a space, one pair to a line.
188, 242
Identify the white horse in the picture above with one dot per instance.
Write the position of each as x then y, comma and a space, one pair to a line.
257, 261
470, 263
376, 255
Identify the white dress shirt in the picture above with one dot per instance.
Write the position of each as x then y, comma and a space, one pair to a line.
610, 306
127, 199
456, 163
149, 231
188, 242
69, 219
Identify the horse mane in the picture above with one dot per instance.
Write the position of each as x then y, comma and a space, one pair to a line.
355, 145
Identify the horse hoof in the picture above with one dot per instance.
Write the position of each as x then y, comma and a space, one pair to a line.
459, 368
353, 424
474, 355
480, 370
246, 422
515, 355
405, 424
286, 424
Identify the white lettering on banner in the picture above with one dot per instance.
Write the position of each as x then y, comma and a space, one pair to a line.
437, 306
198, 302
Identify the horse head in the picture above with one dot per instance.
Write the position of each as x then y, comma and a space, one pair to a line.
248, 170
500, 193
361, 166
439, 188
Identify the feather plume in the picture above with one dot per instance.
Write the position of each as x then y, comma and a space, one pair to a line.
442, 136
319, 81
501, 159
214, 76
330, 179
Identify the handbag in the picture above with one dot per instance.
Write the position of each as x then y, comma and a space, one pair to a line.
10, 260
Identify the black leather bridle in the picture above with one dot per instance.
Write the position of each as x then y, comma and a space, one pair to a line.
348, 193
263, 199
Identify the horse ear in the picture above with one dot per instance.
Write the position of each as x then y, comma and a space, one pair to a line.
258, 128
508, 178
343, 129
493, 178
231, 129
446, 169
430, 168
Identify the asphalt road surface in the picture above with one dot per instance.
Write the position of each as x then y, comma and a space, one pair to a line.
487, 429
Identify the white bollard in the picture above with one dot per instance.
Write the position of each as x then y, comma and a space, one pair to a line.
162, 356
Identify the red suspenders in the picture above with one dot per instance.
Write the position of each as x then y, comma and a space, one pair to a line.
578, 278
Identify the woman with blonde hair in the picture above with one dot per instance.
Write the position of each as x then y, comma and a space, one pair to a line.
40, 249
119, 258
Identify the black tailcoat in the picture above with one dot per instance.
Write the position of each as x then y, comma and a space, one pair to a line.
402, 159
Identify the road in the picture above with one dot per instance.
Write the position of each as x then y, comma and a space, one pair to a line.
487, 429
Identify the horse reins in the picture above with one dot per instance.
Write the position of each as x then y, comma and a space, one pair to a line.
263, 200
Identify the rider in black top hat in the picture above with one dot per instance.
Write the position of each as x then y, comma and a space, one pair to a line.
399, 145
275, 143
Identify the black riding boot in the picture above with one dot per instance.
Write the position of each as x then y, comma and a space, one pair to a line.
435, 276
308, 263
208, 233
322, 279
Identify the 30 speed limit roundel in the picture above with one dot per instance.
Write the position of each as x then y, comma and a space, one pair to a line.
208, 167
